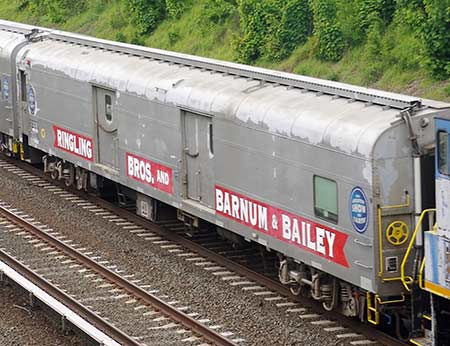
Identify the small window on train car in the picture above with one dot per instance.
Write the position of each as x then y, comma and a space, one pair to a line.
325, 199
108, 108
23, 86
211, 139
443, 152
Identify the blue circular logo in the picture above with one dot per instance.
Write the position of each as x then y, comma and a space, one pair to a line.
359, 210
31, 100
5, 87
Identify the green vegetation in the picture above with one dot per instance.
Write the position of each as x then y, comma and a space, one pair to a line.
271, 29
397, 45
330, 41
144, 15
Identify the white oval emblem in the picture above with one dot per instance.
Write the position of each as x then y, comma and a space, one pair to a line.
31, 100
359, 211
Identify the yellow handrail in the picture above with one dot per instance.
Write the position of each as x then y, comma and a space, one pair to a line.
410, 245
422, 266
373, 313
398, 206
380, 234
22, 151
393, 301
427, 317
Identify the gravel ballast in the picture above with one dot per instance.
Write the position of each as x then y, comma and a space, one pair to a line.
250, 317
20, 326
90, 289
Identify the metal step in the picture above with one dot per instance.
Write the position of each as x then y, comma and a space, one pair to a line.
422, 341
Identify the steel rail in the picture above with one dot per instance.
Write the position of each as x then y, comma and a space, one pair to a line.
145, 297
68, 301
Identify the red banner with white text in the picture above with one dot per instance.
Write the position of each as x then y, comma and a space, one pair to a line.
73, 143
305, 234
149, 172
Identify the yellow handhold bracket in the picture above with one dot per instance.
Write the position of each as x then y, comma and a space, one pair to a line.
373, 306
405, 282
373, 315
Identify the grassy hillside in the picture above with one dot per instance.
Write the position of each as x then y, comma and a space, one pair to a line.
387, 59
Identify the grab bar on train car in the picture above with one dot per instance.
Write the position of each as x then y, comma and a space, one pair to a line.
373, 315
422, 267
407, 280
373, 306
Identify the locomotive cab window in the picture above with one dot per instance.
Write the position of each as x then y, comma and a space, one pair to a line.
325, 199
108, 108
443, 152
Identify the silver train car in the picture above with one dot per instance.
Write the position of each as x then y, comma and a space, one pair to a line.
331, 177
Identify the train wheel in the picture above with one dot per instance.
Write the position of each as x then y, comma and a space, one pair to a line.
69, 174
296, 290
54, 174
79, 178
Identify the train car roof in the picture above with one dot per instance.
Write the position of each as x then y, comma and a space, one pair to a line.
19, 28
339, 116
8, 40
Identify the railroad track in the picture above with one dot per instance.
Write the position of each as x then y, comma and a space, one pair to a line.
131, 316
169, 235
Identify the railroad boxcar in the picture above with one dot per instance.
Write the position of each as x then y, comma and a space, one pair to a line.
10, 43
331, 177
